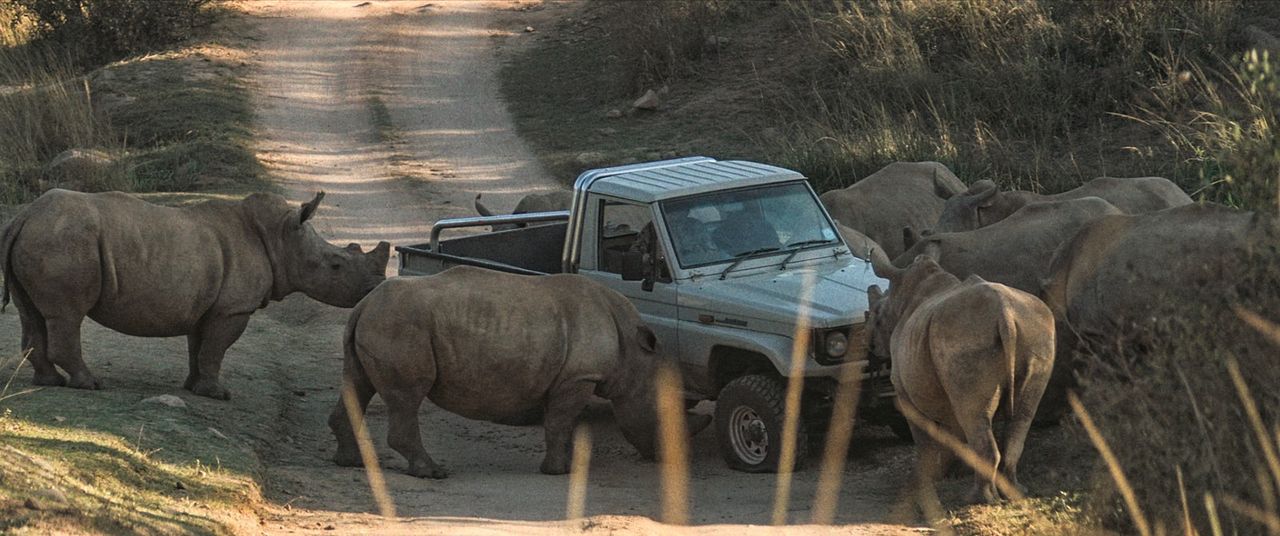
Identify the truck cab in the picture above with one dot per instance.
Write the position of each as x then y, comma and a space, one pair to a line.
736, 267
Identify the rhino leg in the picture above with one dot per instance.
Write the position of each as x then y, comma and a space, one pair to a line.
931, 459
981, 439
340, 422
404, 437
63, 344
563, 408
1021, 417
215, 336
193, 360
34, 337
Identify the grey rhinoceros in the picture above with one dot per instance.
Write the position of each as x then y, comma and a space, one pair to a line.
488, 345
901, 194
535, 202
153, 271
960, 351
983, 204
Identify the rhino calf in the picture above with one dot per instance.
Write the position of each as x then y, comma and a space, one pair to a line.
153, 271
536, 202
492, 346
960, 351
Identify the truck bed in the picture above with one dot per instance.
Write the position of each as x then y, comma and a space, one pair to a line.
532, 250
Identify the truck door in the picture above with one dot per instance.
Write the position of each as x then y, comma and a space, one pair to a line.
620, 227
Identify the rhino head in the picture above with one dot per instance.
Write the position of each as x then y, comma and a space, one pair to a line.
969, 210
633, 394
303, 261
909, 287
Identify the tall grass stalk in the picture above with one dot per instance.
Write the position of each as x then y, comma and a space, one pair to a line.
673, 446
1139, 519
580, 466
368, 456
791, 406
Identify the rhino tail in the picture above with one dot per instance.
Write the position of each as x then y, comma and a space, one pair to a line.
353, 373
7, 239
1009, 342
480, 208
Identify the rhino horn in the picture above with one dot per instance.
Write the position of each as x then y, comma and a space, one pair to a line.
382, 251
309, 208
480, 208
881, 264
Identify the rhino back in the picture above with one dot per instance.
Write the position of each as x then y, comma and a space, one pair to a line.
899, 195
1120, 270
484, 344
1136, 195
135, 267
1017, 250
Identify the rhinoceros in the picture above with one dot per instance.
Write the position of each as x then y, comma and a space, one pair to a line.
960, 350
153, 271
537, 202
493, 346
983, 204
1016, 251
902, 194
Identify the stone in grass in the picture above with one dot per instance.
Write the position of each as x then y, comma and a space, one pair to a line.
168, 400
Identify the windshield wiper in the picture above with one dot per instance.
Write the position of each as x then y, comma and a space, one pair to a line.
744, 256
797, 247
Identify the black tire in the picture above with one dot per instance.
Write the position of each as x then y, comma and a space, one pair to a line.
749, 415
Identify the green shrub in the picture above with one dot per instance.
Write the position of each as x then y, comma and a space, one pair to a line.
104, 30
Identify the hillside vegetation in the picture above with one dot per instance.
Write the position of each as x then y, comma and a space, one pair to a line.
1039, 95
107, 95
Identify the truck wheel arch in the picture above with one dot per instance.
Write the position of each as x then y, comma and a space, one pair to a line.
729, 362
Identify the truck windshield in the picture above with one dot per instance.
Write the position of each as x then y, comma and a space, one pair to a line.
719, 227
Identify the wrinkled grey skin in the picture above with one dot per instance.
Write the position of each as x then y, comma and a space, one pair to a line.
961, 350
902, 194
1122, 272
153, 271
1016, 251
983, 204
539, 202
488, 345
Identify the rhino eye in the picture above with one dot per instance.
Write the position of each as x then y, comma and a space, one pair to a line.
335, 266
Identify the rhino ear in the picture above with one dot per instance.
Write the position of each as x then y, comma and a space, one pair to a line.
480, 208
941, 189
984, 193
354, 248
648, 341
909, 237
309, 208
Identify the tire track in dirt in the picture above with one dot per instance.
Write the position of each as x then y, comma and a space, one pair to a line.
392, 108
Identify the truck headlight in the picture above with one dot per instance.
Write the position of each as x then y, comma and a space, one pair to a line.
836, 344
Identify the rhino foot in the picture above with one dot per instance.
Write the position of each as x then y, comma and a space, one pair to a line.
348, 459
982, 495
550, 467
427, 470
52, 379
84, 381
211, 389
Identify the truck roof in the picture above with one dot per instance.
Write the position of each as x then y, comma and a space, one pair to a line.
655, 181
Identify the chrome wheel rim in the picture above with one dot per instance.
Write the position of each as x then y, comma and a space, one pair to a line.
748, 435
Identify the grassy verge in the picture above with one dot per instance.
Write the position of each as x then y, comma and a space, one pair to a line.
101, 462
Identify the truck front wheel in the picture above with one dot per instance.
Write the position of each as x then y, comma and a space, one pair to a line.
749, 415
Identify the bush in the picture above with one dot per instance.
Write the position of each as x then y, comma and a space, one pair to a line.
1173, 415
104, 30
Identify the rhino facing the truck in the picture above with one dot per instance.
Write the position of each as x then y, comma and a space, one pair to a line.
726, 261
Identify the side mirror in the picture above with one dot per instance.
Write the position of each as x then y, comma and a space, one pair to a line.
633, 267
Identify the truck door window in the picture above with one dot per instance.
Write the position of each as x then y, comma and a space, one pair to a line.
626, 227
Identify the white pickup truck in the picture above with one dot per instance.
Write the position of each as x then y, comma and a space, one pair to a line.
725, 261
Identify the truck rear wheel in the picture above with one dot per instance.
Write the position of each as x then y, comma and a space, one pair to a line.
749, 415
